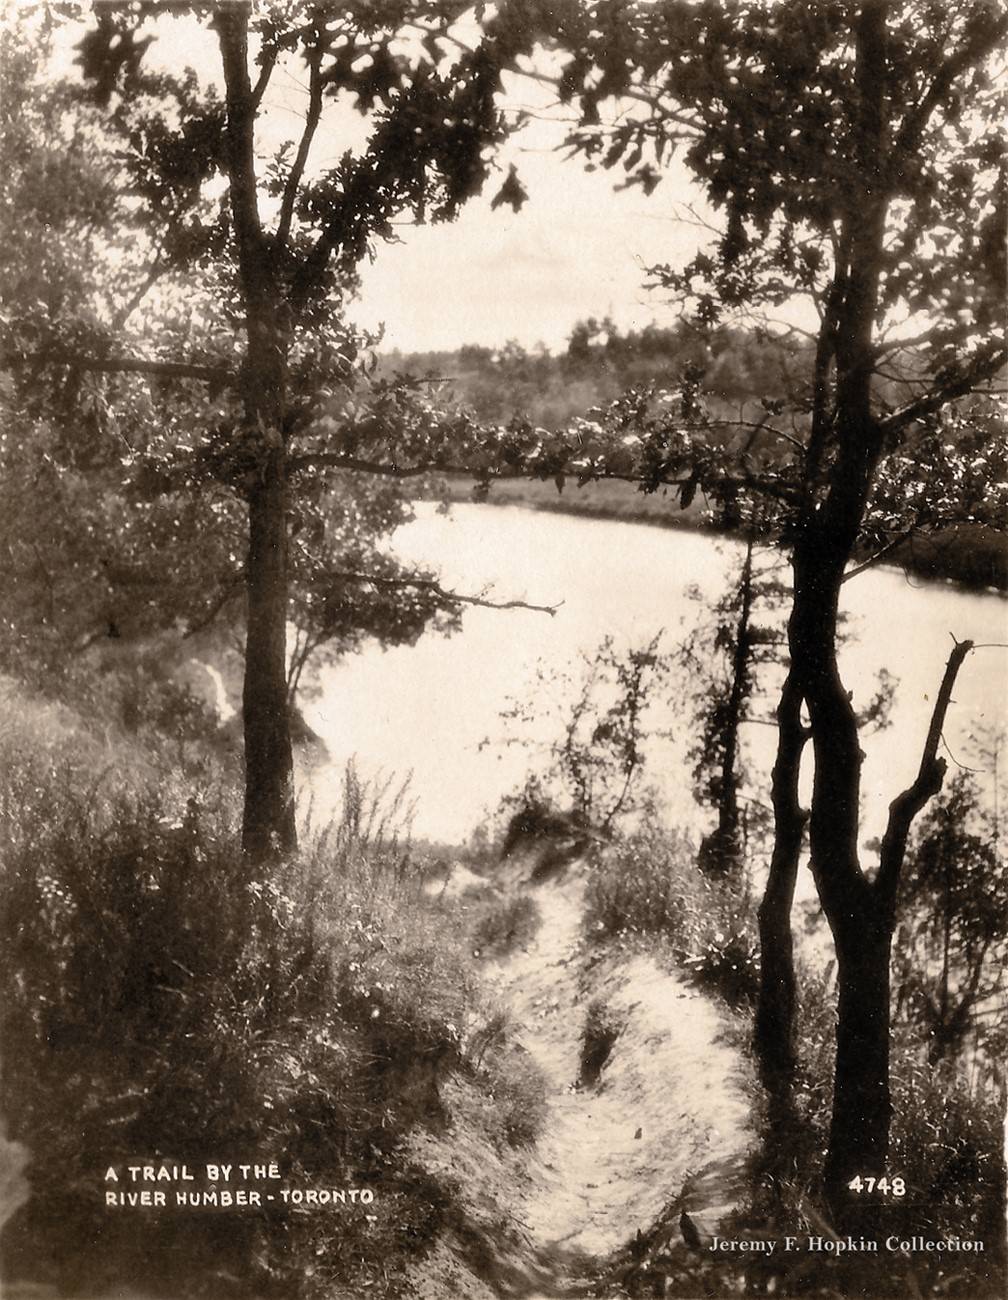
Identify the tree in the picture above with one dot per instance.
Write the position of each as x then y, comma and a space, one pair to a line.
599, 760
951, 944
246, 355
723, 685
853, 153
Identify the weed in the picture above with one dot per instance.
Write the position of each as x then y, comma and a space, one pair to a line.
166, 1001
648, 884
506, 926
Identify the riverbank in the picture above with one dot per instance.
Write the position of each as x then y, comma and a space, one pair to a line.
973, 557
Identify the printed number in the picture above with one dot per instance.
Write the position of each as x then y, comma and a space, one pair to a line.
885, 1186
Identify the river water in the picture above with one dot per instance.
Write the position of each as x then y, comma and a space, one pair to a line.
429, 709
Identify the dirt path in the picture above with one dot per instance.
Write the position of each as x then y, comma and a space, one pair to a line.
668, 1108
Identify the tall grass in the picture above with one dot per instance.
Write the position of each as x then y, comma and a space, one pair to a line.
946, 1143
946, 1140
648, 884
166, 1001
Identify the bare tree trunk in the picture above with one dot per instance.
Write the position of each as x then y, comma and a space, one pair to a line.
862, 1105
268, 826
862, 916
775, 1008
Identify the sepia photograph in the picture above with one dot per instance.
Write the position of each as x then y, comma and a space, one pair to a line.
503, 649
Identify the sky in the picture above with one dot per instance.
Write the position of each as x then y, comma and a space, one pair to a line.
578, 248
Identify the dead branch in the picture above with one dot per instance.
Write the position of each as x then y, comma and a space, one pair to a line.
928, 781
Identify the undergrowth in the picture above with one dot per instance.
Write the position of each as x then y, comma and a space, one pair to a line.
506, 926
648, 884
947, 1131
946, 1143
167, 1002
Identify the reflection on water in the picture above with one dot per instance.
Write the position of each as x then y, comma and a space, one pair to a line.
426, 709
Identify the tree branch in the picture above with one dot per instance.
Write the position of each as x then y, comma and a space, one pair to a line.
128, 365
311, 125
880, 554
982, 42
157, 269
653, 100
389, 469
984, 365
449, 597
223, 598
269, 59
905, 807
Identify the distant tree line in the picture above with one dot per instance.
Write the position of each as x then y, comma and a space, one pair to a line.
600, 361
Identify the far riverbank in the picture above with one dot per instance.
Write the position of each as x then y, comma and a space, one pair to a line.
972, 557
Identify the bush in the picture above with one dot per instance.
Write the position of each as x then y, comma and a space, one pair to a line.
729, 964
518, 1089
946, 1143
165, 1001
506, 926
649, 884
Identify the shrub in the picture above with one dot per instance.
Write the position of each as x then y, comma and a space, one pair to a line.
519, 1091
165, 1001
728, 963
648, 884
506, 926
606, 716
643, 885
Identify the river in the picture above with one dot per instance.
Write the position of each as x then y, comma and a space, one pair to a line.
428, 709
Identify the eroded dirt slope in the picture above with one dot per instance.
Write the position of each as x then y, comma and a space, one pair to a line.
666, 1118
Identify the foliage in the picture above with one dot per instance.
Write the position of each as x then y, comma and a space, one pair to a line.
165, 1000
771, 127
506, 926
722, 661
647, 884
834, 144
946, 1145
595, 769
600, 362
519, 1092
136, 543
219, 380
950, 949
768, 106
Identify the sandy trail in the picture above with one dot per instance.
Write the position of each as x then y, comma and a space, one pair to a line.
668, 1107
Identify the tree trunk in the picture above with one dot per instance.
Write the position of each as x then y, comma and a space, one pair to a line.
862, 926
824, 542
720, 852
268, 827
862, 1106
775, 1008
859, 1130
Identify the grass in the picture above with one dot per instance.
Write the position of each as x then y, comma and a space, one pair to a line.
647, 885
946, 1143
947, 1130
506, 926
164, 1001
606, 499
